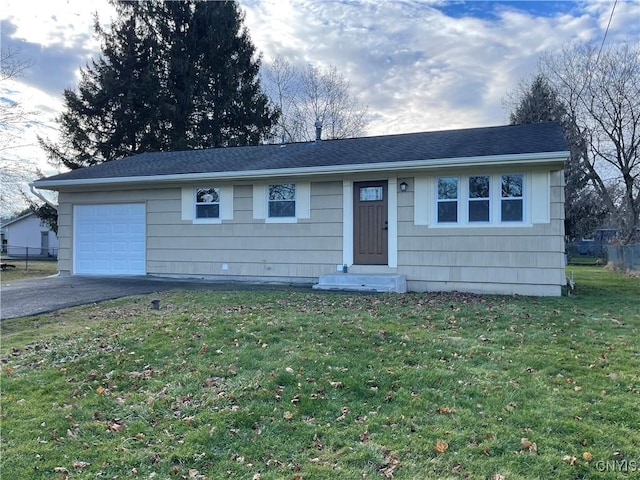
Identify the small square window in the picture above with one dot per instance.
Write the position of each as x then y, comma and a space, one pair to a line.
447, 200
282, 200
207, 203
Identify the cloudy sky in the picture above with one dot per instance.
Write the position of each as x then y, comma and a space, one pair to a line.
418, 64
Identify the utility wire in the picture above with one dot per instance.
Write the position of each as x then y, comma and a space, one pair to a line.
606, 30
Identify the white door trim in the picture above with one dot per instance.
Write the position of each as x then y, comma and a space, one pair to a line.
347, 221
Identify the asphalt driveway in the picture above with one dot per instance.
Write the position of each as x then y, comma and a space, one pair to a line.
23, 298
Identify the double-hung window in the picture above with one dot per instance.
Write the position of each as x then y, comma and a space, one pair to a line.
207, 203
479, 198
511, 201
282, 200
447, 200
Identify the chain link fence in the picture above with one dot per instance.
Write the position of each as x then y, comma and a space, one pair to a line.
37, 253
624, 256
23, 258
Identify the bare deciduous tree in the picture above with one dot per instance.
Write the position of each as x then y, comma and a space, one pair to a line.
15, 169
305, 96
534, 102
600, 90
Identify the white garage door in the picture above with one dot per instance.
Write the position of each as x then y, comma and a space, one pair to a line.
109, 239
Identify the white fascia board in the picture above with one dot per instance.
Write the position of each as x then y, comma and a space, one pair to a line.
519, 159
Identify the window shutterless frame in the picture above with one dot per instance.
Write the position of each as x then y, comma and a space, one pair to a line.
207, 204
483, 199
281, 200
447, 199
512, 198
479, 199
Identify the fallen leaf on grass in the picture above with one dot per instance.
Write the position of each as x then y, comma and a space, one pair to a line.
441, 446
570, 459
80, 464
345, 412
116, 425
288, 415
445, 410
528, 447
391, 463
212, 382
100, 390
587, 457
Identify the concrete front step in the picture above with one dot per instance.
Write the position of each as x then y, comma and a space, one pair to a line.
353, 282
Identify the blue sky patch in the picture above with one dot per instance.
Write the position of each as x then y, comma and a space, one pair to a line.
490, 9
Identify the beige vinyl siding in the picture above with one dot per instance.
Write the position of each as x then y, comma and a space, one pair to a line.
238, 248
526, 259
65, 235
245, 247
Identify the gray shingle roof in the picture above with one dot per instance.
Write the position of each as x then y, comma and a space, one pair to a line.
426, 146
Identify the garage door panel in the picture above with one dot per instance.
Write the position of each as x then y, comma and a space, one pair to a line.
120, 229
110, 239
136, 229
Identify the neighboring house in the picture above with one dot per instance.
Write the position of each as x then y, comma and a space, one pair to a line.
27, 234
478, 210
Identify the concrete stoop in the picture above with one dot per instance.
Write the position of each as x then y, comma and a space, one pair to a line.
383, 283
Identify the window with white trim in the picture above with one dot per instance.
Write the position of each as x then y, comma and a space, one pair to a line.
511, 201
476, 200
447, 200
281, 200
479, 198
207, 203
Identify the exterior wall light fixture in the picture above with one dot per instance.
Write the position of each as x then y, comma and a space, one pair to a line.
403, 187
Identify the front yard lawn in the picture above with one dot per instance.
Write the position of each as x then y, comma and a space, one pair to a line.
264, 385
28, 269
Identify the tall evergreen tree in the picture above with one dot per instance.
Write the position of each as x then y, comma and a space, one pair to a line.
172, 75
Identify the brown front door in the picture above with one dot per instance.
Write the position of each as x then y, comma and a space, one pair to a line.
370, 224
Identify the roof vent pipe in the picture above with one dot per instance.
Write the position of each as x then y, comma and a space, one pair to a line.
318, 130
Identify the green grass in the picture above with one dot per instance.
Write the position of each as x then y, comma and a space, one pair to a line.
28, 269
293, 385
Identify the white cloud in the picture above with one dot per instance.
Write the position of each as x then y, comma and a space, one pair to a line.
65, 23
418, 68
419, 65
